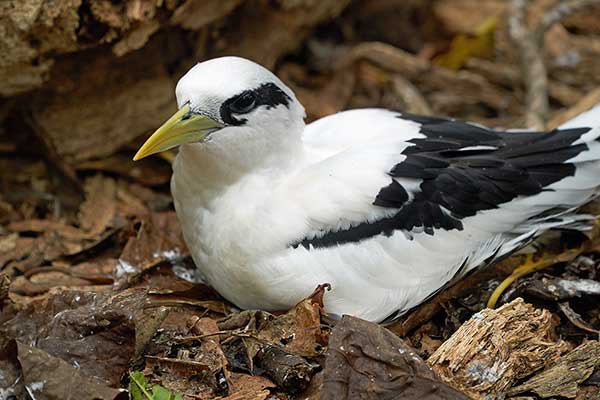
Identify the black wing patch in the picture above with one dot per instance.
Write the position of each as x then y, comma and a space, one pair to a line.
463, 169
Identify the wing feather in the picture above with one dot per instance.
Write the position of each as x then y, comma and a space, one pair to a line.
449, 171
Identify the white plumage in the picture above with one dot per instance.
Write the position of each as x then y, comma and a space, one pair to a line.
270, 208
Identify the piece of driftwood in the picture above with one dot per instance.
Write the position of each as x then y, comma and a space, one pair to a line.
563, 378
495, 348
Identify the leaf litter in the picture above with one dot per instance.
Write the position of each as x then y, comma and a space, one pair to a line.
98, 291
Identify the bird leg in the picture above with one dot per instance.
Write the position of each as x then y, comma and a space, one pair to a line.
530, 265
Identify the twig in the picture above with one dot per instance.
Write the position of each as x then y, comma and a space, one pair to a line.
576, 319
587, 102
532, 64
557, 13
94, 278
411, 97
531, 45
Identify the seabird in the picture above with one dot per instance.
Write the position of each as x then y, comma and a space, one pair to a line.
387, 207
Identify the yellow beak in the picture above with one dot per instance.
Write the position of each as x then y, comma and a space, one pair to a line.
182, 127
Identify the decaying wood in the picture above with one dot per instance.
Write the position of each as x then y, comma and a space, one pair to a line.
272, 32
563, 378
496, 348
98, 99
105, 105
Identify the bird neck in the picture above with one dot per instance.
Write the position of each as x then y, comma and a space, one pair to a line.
211, 168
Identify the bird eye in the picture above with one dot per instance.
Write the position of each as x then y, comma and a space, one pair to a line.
244, 103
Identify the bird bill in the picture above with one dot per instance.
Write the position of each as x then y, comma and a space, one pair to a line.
183, 127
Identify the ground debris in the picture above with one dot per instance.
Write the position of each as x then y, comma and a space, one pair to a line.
196, 355
92, 330
44, 377
563, 377
367, 361
93, 269
561, 289
291, 372
157, 239
279, 345
149, 172
98, 210
496, 348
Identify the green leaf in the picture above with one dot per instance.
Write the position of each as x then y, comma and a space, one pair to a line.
137, 386
160, 393
137, 389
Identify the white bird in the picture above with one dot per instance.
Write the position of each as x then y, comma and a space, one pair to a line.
385, 206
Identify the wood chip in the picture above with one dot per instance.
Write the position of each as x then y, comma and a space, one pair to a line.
495, 348
563, 378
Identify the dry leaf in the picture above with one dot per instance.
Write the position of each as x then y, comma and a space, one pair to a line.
98, 210
93, 330
44, 377
367, 361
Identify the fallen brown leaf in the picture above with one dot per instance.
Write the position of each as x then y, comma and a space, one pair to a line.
11, 378
158, 239
148, 172
367, 361
98, 210
44, 377
54, 240
278, 345
211, 352
299, 331
92, 330
249, 387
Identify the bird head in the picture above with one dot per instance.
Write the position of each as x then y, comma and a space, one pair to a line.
227, 100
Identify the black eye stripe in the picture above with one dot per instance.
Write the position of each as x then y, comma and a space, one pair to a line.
268, 94
243, 103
